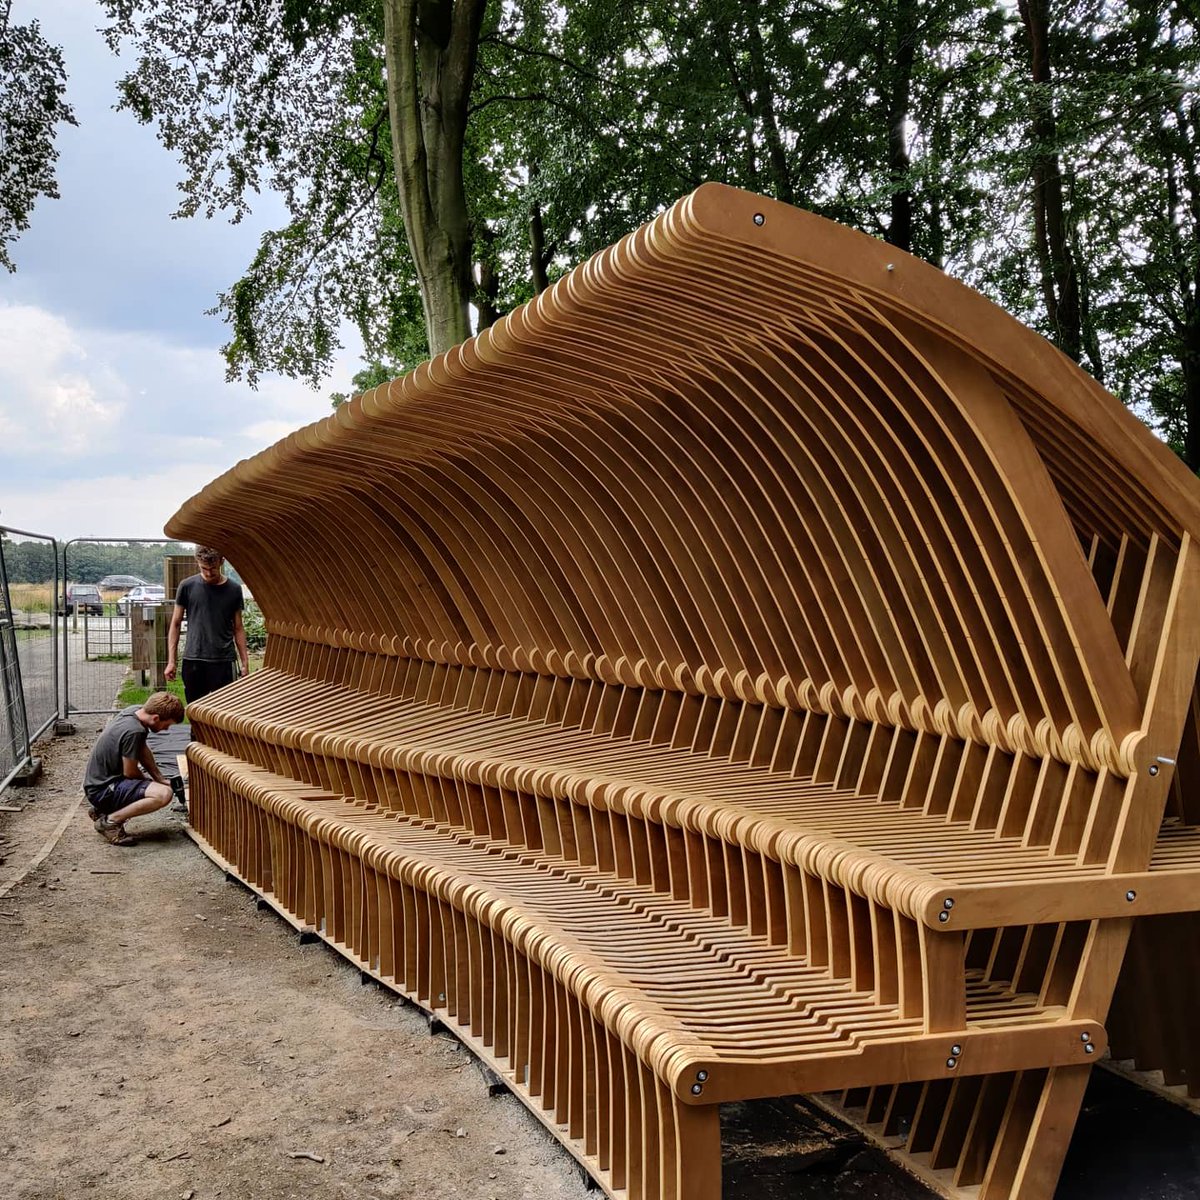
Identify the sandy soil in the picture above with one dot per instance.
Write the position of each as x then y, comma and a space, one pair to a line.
161, 1037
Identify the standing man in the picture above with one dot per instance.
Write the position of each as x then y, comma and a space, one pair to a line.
122, 780
216, 637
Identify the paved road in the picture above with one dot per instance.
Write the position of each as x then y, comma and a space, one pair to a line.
92, 644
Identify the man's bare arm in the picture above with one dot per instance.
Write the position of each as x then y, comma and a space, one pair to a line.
239, 640
173, 640
147, 761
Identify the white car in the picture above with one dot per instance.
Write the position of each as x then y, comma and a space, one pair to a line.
146, 593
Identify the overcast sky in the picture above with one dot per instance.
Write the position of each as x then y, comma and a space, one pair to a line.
113, 401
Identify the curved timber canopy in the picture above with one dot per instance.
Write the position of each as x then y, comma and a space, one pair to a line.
744, 452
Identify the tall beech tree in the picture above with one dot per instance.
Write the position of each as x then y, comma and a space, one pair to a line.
431, 48
1152, 224
438, 157
33, 82
355, 112
1057, 266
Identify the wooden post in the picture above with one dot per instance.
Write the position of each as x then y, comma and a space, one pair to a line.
162, 622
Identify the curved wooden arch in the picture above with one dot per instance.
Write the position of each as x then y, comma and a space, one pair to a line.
764, 581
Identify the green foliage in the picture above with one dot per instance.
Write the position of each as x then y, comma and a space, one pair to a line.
372, 375
134, 692
256, 627
87, 562
33, 82
924, 124
27, 561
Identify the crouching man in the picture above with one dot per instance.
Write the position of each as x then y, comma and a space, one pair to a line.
122, 779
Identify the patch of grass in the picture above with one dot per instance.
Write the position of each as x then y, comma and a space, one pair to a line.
32, 597
133, 692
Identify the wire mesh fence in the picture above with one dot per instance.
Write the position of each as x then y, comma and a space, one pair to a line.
29, 689
70, 617
14, 729
109, 584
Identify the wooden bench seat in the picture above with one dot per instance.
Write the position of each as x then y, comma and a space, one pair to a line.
763, 631
728, 1015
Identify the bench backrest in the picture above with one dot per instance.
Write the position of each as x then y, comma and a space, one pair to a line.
759, 466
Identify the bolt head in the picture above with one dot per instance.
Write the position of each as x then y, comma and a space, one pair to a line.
759, 219
702, 1076
1089, 1048
943, 916
697, 1088
948, 902
1131, 896
1085, 1037
952, 1063
955, 1050
1153, 768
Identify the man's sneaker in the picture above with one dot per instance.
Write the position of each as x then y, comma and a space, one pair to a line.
113, 831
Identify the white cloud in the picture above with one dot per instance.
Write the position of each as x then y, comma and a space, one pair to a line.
51, 397
266, 432
124, 505
109, 432
114, 406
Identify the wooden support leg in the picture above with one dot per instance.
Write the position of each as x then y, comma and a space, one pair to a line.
1035, 1134
698, 1151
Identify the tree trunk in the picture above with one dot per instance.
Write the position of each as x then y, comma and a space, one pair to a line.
1060, 282
764, 100
1189, 359
488, 291
1183, 219
539, 260
430, 49
900, 228
746, 101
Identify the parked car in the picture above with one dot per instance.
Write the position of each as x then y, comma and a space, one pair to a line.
121, 583
84, 598
145, 593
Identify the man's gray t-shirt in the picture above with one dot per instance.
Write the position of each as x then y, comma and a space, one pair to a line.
210, 609
123, 737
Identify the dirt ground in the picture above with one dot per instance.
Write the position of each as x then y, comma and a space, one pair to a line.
161, 1038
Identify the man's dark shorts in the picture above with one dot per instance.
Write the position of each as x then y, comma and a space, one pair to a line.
115, 796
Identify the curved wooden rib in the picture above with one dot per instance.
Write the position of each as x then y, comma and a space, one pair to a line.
757, 599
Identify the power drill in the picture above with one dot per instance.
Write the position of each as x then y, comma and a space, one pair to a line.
177, 786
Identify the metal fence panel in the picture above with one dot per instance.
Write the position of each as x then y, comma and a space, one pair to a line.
14, 730
32, 567
29, 684
97, 649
